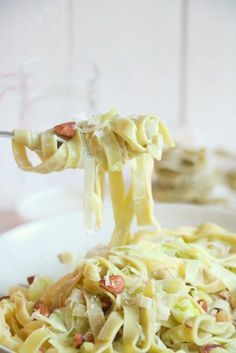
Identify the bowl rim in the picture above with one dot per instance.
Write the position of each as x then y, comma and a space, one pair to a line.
46, 221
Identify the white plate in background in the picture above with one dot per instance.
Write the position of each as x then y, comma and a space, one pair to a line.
34, 248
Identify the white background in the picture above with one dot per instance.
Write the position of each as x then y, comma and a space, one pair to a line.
173, 57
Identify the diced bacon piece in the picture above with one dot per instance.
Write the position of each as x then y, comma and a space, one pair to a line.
30, 279
78, 340
65, 130
116, 284
203, 304
106, 303
42, 307
89, 337
209, 347
223, 316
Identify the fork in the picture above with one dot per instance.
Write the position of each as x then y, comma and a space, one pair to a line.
7, 134
10, 135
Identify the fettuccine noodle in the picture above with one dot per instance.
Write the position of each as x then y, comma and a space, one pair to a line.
177, 294
103, 145
160, 291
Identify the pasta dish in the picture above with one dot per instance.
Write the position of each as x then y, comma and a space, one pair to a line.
151, 290
184, 175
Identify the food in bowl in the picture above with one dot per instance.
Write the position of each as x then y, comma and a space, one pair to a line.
152, 290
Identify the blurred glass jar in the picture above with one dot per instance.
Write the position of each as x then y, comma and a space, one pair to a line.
45, 82
49, 99
51, 96
40, 97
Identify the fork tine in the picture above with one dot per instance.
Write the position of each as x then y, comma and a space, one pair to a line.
10, 135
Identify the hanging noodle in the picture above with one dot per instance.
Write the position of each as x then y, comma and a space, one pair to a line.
99, 146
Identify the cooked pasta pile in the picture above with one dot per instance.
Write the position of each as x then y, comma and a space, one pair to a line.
103, 145
159, 291
230, 178
175, 293
183, 175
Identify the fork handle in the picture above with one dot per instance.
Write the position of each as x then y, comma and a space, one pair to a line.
7, 134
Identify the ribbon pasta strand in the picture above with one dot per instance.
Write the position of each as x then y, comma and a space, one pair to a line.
104, 144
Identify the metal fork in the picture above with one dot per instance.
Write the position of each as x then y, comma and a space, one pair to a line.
7, 134
10, 135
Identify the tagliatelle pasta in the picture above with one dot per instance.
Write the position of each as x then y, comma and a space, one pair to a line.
175, 293
184, 175
101, 145
160, 291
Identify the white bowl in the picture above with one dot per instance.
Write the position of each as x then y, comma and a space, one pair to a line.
51, 202
34, 248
